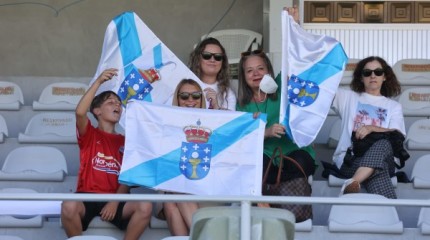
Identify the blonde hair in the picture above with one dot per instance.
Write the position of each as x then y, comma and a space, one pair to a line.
184, 81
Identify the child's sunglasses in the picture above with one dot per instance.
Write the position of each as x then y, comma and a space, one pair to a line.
367, 72
186, 95
217, 56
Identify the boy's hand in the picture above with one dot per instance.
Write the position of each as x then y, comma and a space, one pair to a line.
109, 211
107, 75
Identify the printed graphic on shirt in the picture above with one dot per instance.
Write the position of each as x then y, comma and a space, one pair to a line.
106, 164
369, 115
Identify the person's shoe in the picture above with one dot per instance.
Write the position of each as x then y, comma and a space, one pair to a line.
350, 186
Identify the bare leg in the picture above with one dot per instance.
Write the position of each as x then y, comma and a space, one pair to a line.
139, 214
71, 214
362, 174
175, 221
187, 210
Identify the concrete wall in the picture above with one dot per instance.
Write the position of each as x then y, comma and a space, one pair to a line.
49, 38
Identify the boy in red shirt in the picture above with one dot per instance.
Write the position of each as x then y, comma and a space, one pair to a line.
101, 151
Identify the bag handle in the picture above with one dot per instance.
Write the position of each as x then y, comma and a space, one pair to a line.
278, 177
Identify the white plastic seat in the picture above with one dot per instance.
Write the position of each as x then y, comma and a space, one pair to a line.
50, 127
413, 71
3, 129
11, 216
334, 135
364, 219
224, 223
34, 163
10, 237
349, 70
420, 176
334, 181
418, 136
424, 221
92, 237
60, 96
415, 101
11, 96
236, 41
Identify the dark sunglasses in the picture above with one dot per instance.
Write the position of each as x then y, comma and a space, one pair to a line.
367, 72
186, 95
217, 56
254, 52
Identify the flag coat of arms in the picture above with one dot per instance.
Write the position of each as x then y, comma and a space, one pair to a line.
312, 67
194, 151
148, 70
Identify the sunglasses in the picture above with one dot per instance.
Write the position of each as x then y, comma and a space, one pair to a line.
217, 56
186, 95
254, 52
367, 72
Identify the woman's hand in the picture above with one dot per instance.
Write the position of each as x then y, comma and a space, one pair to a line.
276, 130
363, 131
294, 12
211, 97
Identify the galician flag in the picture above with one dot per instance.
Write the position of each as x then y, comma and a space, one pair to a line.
190, 150
312, 67
148, 70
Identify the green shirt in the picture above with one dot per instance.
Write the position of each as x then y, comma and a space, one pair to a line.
272, 108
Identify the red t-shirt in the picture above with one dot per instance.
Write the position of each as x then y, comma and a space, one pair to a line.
101, 158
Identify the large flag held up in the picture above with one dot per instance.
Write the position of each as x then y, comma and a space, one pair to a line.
191, 150
314, 65
148, 70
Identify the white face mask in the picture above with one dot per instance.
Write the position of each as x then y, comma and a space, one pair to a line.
268, 85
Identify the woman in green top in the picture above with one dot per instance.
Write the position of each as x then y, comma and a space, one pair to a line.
252, 67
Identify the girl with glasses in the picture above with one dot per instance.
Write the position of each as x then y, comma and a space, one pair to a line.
209, 62
364, 109
188, 93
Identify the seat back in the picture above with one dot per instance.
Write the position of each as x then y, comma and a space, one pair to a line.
334, 135
418, 136
60, 96
424, 220
3, 128
236, 41
413, 71
415, 101
91, 237
349, 70
50, 127
365, 219
420, 176
34, 163
224, 223
10, 96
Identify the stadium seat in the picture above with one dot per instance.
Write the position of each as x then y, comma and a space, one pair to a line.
11, 215
50, 127
224, 223
415, 102
92, 237
34, 163
61, 96
424, 220
420, 173
3, 129
364, 219
334, 181
349, 70
418, 136
413, 71
334, 135
11, 96
10, 237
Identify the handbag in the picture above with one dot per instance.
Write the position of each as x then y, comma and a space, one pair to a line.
292, 187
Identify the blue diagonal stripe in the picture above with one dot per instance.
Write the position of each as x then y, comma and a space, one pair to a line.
168, 164
128, 38
158, 57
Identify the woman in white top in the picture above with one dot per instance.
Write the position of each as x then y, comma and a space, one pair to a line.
209, 62
364, 109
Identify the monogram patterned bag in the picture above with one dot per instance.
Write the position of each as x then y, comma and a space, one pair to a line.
292, 187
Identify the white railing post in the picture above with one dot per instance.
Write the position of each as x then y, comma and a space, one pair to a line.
245, 220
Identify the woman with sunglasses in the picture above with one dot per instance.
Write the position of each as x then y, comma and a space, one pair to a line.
364, 109
253, 67
209, 62
188, 93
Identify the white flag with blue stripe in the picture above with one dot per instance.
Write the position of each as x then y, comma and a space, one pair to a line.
190, 150
148, 70
313, 66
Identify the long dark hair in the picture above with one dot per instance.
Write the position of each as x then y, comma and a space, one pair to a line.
223, 78
390, 87
245, 93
